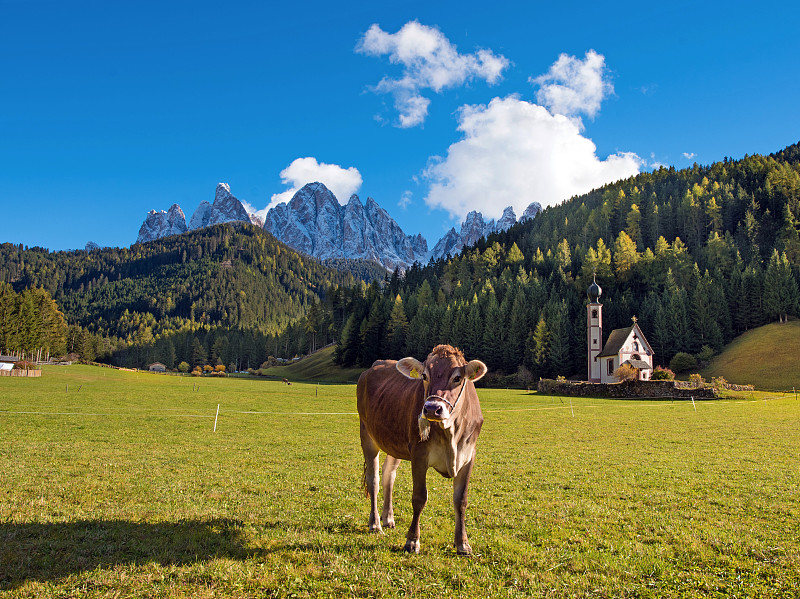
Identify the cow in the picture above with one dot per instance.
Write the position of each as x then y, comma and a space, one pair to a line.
427, 413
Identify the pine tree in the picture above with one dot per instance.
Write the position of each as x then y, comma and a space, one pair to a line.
199, 353
540, 348
397, 329
780, 288
625, 257
559, 351
518, 330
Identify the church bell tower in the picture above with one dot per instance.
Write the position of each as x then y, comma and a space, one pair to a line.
594, 330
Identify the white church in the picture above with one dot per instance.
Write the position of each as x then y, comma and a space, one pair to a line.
624, 346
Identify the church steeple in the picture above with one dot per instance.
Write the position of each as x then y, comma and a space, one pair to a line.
594, 292
594, 330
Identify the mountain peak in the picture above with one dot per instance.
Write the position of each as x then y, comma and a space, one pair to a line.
162, 224
223, 192
314, 222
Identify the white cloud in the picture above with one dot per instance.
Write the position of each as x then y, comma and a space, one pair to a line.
343, 182
573, 87
513, 153
689, 155
429, 61
405, 199
655, 164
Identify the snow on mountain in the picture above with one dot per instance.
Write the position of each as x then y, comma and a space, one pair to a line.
451, 243
201, 216
226, 208
162, 224
315, 223
473, 229
532, 210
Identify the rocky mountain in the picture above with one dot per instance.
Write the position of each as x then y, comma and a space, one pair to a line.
315, 223
226, 208
475, 227
162, 224
532, 210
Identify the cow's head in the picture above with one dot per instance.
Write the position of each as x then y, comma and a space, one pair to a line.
445, 375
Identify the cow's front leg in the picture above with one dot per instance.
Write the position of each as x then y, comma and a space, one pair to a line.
370, 449
419, 497
388, 474
460, 504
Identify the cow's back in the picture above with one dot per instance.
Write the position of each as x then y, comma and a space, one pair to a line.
388, 406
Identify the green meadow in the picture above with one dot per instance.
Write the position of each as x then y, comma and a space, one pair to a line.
767, 357
114, 484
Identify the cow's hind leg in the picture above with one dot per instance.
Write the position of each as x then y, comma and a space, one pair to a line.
371, 477
419, 497
389, 471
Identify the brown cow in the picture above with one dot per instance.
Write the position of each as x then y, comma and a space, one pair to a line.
426, 413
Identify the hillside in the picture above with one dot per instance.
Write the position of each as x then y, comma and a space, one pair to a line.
317, 367
699, 255
225, 275
228, 293
768, 357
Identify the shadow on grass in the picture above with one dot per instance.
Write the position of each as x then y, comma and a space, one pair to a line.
50, 551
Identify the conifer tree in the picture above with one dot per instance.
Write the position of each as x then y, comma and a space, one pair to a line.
397, 329
780, 288
540, 348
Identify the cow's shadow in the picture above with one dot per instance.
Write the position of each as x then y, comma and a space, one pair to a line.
50, 551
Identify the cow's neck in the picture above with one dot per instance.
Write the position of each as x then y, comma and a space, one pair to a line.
454, 446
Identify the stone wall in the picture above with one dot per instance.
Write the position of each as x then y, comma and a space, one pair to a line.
625, 390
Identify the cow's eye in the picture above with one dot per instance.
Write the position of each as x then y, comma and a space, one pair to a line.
456, 379
424, 377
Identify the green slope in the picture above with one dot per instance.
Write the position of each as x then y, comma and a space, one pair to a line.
316, 367
767, 357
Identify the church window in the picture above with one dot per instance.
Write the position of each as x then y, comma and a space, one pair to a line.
635, 346
611, 366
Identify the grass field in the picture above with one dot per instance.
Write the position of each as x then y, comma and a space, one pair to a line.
767, 357
113, 484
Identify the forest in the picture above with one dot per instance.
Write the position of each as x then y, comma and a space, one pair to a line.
229, 294
698, 255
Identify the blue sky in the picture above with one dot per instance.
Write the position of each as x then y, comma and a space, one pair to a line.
111, 109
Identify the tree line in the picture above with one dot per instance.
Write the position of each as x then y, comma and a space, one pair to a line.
31, 325
699, 255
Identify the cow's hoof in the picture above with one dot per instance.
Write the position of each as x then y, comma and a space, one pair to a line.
411, 546
388, 523
465, 549
375, 528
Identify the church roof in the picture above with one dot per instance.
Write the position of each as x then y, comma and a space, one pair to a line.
638, 364
615, 342
618, 337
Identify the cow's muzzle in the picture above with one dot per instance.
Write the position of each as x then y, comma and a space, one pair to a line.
435, 410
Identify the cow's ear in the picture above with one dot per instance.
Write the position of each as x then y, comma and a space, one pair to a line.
475, 370
411, 367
